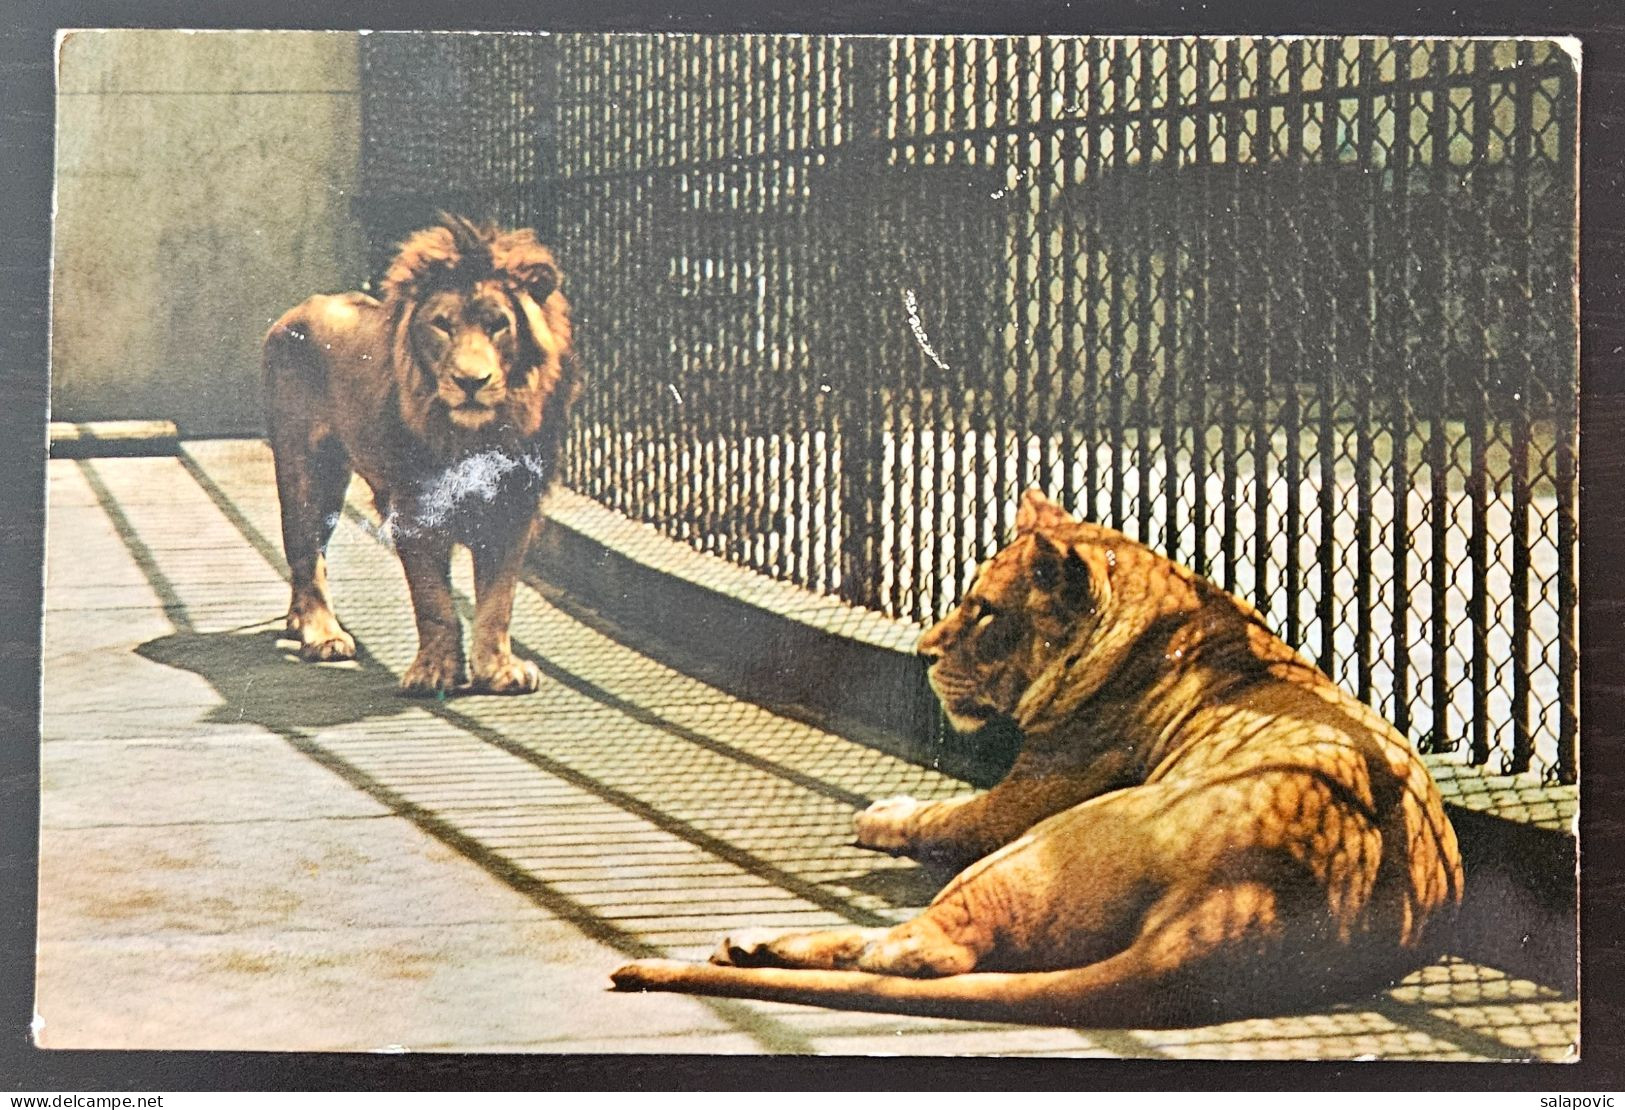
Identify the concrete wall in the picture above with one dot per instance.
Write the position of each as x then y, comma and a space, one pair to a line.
204, 185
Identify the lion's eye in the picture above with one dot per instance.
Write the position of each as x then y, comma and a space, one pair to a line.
442, 324
496, 327
985, 616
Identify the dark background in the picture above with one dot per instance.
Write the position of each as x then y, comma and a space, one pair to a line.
26, 111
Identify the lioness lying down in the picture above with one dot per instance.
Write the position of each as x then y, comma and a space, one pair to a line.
1200, 825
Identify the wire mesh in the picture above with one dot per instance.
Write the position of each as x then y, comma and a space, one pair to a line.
449, 121
1300, 313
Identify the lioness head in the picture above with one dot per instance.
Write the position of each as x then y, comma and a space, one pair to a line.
481, 331
1025, 606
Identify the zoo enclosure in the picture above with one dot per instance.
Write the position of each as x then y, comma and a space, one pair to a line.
1300, 313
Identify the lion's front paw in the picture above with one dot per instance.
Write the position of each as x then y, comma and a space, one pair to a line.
507, 675
321, 639
884, 825
329, 650
433, 674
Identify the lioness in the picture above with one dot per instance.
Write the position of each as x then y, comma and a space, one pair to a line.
450, 398
1200, 824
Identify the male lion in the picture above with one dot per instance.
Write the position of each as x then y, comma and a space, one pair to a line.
1200, 825
450, 398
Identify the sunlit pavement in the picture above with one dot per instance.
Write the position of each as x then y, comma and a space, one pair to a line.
240, 850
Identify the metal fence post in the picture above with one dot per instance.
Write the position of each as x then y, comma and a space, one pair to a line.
858, 431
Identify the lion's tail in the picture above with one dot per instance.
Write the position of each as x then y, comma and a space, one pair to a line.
1118, 991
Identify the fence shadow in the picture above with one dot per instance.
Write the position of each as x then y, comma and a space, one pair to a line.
1519, 913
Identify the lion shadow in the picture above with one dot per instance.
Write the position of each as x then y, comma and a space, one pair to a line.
263, 684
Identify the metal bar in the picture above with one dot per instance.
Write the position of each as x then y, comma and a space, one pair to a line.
1231, 326
1519, 302
1201, 265
1255, 338
1394, 297
1117, 325
1140, 365
1567, 474
1023, 288
1326, 332
823, 339
1291, 319
1355, 313
743, 419
1092, 330
1048, 177
1009, 411
1072, 349
1440, 454
1168, 293
1478, 486
860, 444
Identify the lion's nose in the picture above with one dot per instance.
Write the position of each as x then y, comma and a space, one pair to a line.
471, 383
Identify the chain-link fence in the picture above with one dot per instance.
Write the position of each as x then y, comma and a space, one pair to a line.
1300, 313
452, 122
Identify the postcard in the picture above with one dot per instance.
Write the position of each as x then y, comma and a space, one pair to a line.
795, 544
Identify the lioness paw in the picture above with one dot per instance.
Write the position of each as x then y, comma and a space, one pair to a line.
433, 674
746, 948
511, 675
884, 825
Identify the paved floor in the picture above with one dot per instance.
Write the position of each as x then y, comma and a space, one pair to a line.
243, 851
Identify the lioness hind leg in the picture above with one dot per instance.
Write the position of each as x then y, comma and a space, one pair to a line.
917, 948
831, 948
1207, 954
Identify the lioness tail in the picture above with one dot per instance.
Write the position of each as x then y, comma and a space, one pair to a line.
1115, 992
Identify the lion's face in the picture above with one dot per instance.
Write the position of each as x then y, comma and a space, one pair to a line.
467, 344
1018, 616
481, 345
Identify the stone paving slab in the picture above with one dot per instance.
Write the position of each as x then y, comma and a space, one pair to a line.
241, 850
91, 782
357, 988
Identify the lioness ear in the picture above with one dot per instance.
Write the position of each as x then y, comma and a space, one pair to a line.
1038, 513
1045, 567
1064, 573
